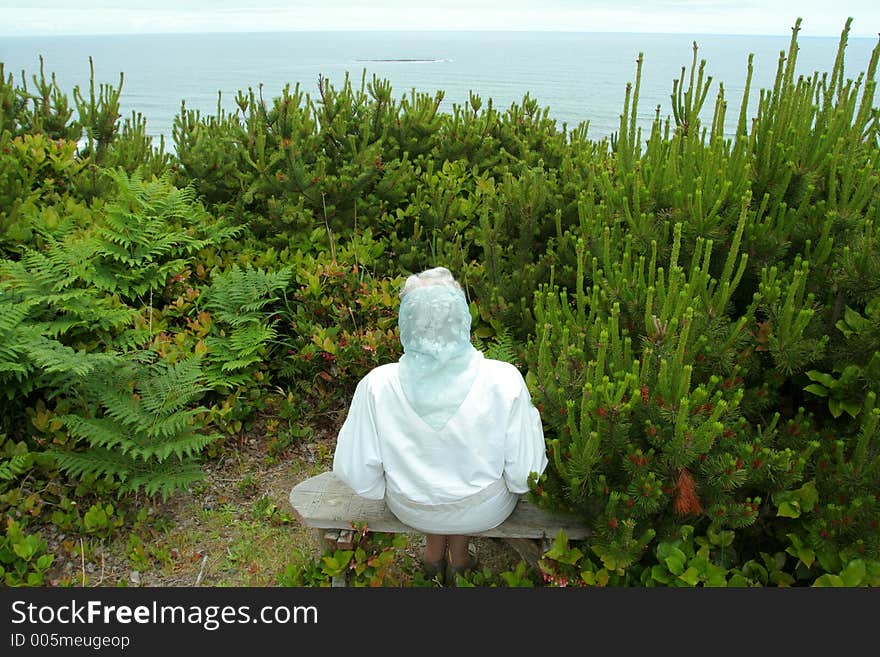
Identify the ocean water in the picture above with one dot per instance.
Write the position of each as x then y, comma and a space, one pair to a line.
578, 76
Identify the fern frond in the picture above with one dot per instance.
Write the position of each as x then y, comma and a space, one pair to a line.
124, 407
166, 480
217, 379
502, 346
53, 357
247, 340
165, 428
183, 446
16, 465
239, 364
168, 388
13, 313
238, 295
102, 432
97, 461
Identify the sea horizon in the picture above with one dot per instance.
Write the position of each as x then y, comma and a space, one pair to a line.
851, 35
578, 76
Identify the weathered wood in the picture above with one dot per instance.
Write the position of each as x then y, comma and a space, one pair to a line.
325, 502
530, 550
345, 540
329, 538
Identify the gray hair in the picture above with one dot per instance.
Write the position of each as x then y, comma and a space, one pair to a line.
428, 278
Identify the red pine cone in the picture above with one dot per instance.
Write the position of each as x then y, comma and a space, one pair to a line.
685, 501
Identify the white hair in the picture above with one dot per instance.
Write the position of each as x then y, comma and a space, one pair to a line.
428, 278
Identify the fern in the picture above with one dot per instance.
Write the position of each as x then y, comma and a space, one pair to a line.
150, 231
15, 465
96, 461
501, 347
239, 295
29, 359
55, 327
238, 301
144, 418
172, 477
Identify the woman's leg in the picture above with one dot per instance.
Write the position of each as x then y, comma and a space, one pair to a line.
458, 551
435, 548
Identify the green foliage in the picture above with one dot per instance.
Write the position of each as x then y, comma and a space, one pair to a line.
339, 322
654, 376
37, 175
149, 234
266, 510
102, 520
371, 562
856, 573
857, 363
304, 571
145, 433
23, 557
99, 114
53, 322
240, 302
45, 111
501, 346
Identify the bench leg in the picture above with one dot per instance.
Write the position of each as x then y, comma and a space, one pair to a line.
336, 539
530, 550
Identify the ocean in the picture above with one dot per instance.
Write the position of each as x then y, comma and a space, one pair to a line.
578, 76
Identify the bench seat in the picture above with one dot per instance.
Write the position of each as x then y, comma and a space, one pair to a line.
327, 504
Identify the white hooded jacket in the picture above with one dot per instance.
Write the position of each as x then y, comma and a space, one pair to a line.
446, 436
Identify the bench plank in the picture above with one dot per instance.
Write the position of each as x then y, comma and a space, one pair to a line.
325, 502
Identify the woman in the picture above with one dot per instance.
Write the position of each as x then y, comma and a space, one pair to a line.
446, 436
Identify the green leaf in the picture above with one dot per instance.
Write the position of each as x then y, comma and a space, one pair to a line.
817, 389
660, 574
790, 509
829, 560
691, 576
822, 377
738, 581
851, 407
484, 332
716, 577
781, 578
720, 539
854, 573
612, 559
836, 407
44, 561
808, 494
560, 551
676, 562
27, 547
755, 571
828, 580
336, 564
801, 551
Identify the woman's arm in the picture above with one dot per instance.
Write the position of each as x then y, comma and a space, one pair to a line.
525, 450
358, 459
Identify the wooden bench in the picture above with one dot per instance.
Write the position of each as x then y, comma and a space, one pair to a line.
328, 505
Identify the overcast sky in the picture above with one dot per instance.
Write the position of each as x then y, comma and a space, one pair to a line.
820, 17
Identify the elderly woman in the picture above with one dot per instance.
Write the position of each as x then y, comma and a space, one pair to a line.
446, 436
